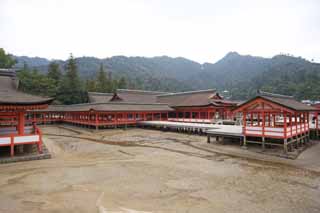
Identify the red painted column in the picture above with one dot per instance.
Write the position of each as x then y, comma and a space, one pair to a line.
96, 120
300, 119
21, 122
11, 145
244, 122
263, 123
317, 123
308, 121
291, 125
285, 124
296, 120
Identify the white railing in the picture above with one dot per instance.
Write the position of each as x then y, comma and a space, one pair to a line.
11, 139
276, 131
191, 120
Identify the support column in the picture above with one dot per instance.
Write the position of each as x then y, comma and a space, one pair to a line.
21, 122
11, 145
97, 121
244, 129
263, 129
285, 146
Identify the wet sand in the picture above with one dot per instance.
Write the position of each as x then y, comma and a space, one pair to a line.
150, 171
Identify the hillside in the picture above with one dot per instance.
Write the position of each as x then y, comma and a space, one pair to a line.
242, 75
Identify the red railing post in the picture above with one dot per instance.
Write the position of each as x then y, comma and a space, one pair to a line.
40, 140
285, 124
11, 145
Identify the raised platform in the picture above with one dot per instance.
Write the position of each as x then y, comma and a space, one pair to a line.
26, 156
175, 125
226, 131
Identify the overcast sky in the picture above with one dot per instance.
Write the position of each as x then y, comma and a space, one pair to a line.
201, 30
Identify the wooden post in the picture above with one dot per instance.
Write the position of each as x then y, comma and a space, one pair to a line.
308, 126
285, 146
291, 132
21, 122
263, 129
274, 119
244, 129
285, 124
96, 120
317, 125
296, 122
11, 145
40, 141
285, 142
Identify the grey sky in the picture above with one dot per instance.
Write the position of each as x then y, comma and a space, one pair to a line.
201, 30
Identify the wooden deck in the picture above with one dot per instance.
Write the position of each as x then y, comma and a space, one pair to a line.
226, 130
212, 129
175, 125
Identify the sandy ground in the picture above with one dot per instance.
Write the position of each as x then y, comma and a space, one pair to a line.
150, 171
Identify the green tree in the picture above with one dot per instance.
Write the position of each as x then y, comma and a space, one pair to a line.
91, 85
54, 72
33, 82
71, 89
103, 83
6, 60
122, 83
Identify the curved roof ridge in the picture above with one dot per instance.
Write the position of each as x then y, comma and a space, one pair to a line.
101, 93
108, 103
140, 91
269, 94
189, 92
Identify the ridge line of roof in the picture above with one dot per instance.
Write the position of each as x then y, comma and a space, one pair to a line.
141, 91
101, 93
188, 92
269, 94
109, 103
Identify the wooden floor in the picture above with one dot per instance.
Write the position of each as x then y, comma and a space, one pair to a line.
212, 129
226, 130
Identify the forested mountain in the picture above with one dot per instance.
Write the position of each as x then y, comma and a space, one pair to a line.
239, 74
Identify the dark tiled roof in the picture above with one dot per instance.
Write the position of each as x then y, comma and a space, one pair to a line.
110, 107
194, 98
282, 100
9, 95
285, 101
97, 97
138, 96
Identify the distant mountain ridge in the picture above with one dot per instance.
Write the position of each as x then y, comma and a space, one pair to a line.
242, 75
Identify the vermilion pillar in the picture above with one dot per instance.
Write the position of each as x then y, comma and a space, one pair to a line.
21, 122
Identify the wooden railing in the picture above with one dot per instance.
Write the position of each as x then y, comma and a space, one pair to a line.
11, 139
276, 132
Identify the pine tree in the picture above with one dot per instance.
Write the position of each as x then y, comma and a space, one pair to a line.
91, 85
102, 81
122, 83
6, 60
54, 72
71, 89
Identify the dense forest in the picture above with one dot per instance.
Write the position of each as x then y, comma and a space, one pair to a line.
62, 82
238, 76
